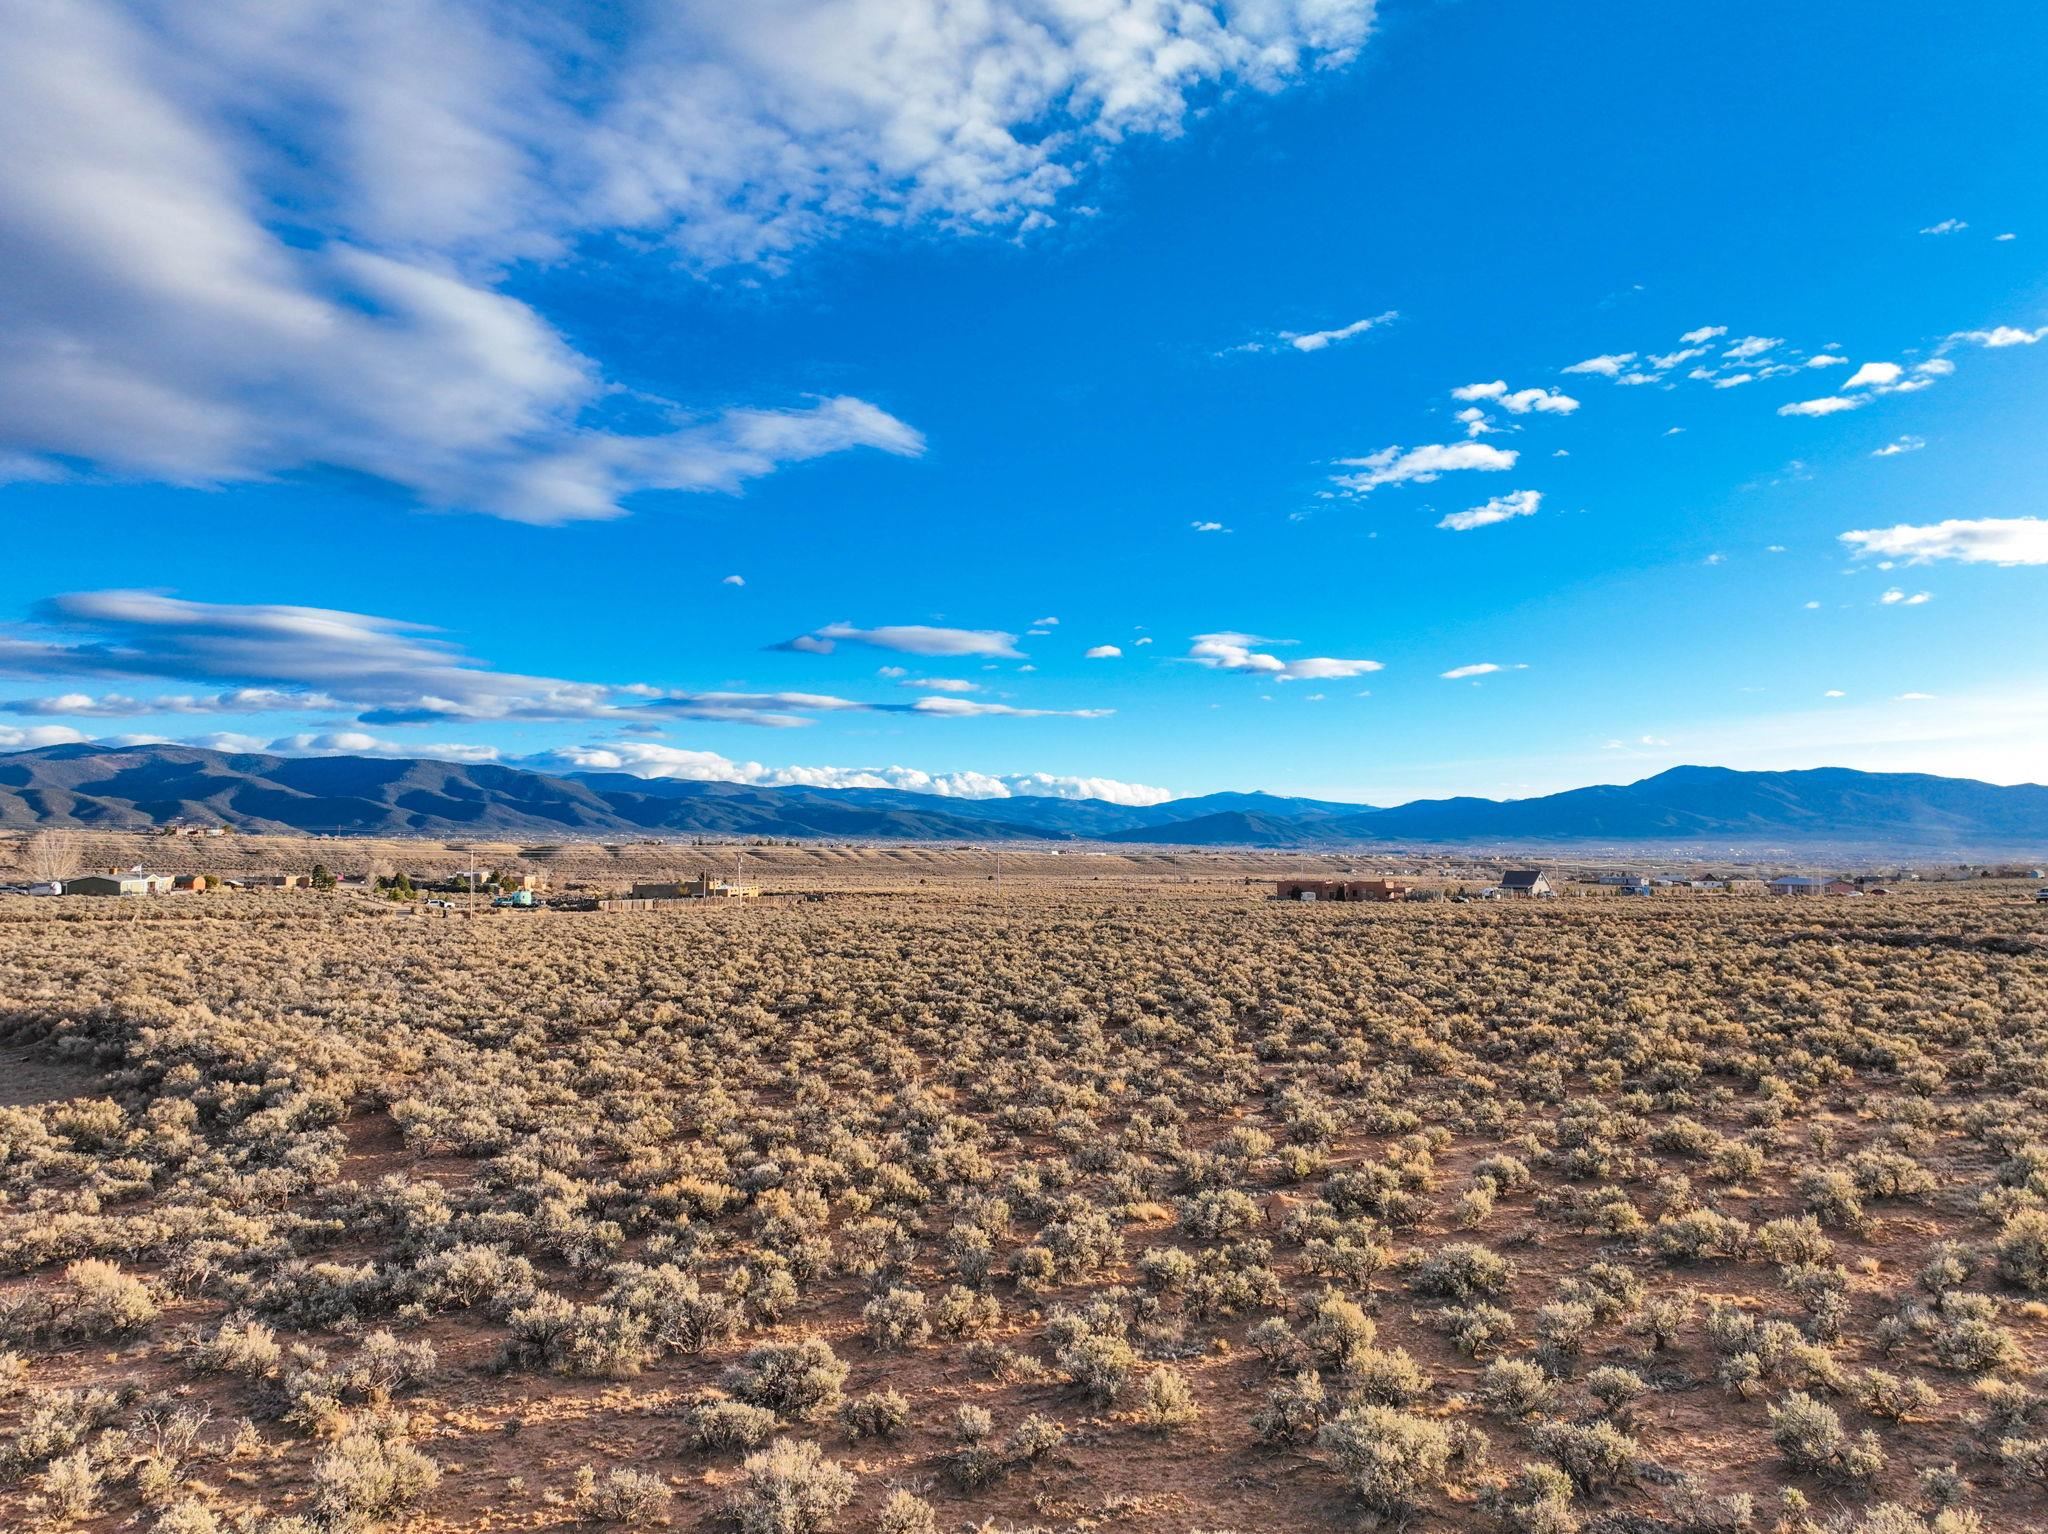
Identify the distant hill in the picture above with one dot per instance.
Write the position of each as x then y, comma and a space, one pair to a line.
1717, 803
136, 787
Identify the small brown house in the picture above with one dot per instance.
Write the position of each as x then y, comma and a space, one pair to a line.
1340, 889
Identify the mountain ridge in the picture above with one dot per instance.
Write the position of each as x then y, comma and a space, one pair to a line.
137, 787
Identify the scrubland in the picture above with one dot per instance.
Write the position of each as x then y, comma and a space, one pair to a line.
1059, 1208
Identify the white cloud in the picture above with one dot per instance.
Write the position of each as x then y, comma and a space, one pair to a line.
1103, 652
1752, 346
1318, 340
1826, 405
385, 671
2001, 335
968, 708
1873, 375
1664, 361
1517, 401
1982, 540
1502, 508
35, 736
1826, 360
657, 761
734, 580
169, 332
1229, 651
1946, 226
1045, 623
1479, 668
1915, 697
1421, 465
1704, 333
259, 237
113, 705
1908, 443
281, 658
940, 684
1897, 598
909, 639
1834, 692
1606, 366
357, 743
1208, 527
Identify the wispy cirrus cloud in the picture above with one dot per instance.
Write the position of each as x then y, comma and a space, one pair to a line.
1502, 508
2001, 336
1420, 465
264, 237
948, 707
1607, 365
908, 639
1828, 404
271, 658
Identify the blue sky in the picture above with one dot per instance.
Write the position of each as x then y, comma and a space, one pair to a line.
417, 382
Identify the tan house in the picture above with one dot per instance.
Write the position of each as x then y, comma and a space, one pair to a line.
1525, 884
703, 887
1340, 889
119, 882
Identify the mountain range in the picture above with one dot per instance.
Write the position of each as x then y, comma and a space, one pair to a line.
137, 787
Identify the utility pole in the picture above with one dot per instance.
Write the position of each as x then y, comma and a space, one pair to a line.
999, 868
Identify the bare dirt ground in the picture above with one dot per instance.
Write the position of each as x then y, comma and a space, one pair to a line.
27, 1078
1105, 1131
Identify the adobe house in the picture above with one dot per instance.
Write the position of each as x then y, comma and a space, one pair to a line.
1340, 889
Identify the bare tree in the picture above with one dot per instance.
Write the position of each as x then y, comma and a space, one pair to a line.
50, 855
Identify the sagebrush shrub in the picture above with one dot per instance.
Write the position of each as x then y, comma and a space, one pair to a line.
371, 1473
790, 1488
802, 1380
1387, 1456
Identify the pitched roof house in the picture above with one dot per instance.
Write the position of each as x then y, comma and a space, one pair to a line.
1525, 882
1796, 884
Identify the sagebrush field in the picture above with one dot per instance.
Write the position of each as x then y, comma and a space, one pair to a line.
1161, 1209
